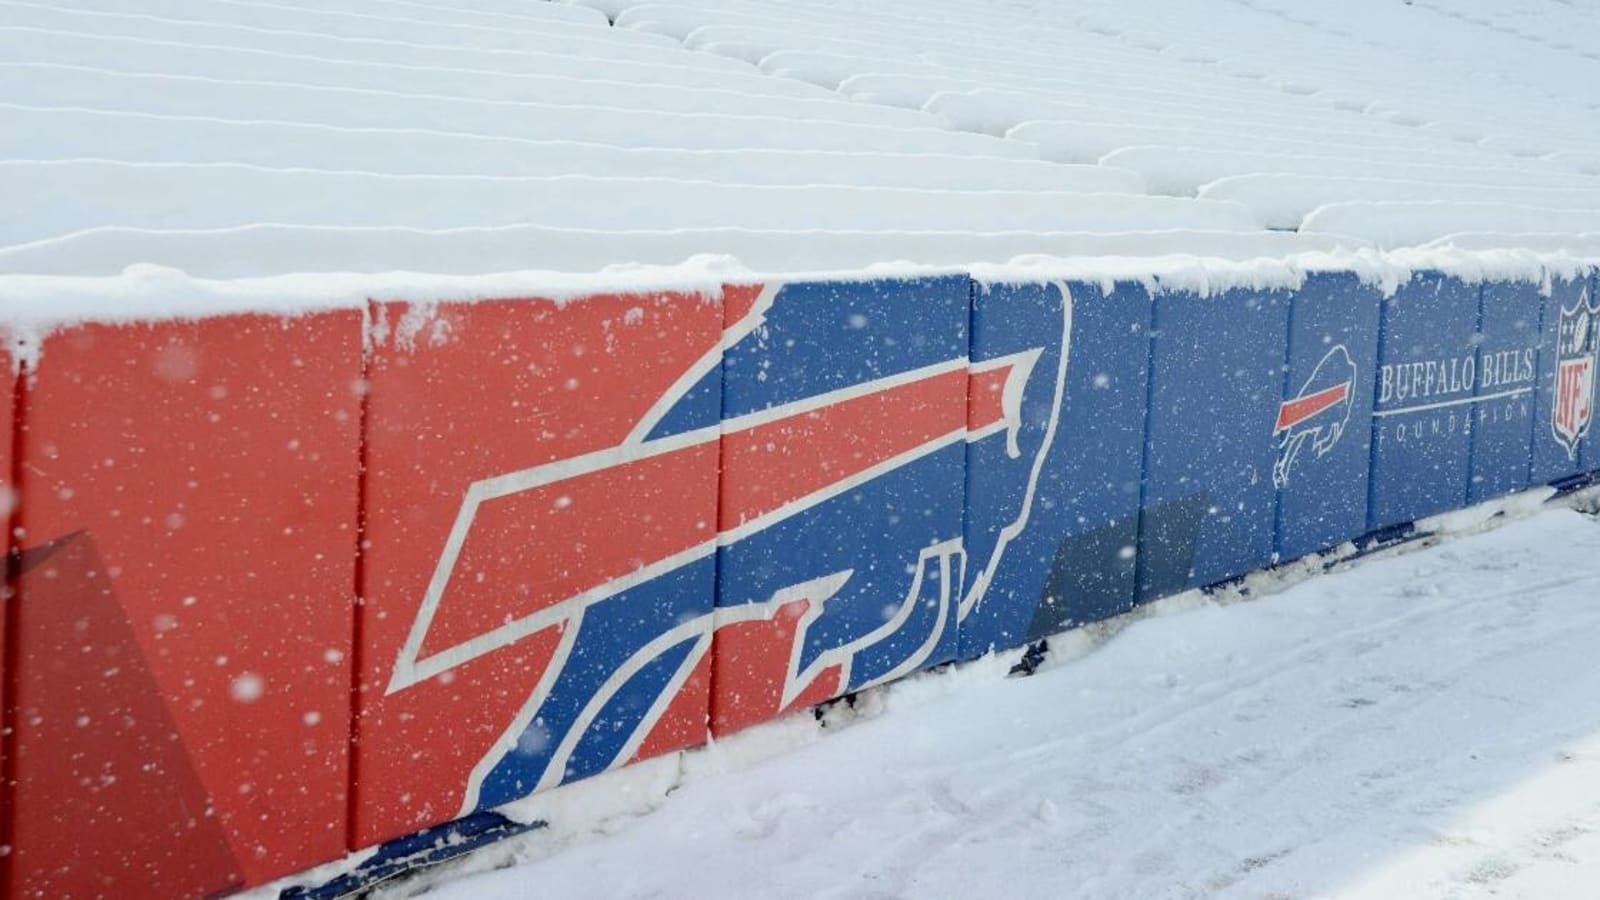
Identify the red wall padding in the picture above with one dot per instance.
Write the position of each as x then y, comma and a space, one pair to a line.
185, 603
461, 393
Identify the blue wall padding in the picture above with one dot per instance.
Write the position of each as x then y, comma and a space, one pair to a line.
821, 337
1422, 418
1216, 380
1323, 433
1069, 559
1507, 375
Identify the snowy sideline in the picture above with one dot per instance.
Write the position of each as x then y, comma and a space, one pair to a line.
1425, 723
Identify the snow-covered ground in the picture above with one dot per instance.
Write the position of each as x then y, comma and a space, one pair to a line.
1421, 725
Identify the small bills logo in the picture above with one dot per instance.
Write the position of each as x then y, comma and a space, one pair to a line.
1576, 347
1318, 414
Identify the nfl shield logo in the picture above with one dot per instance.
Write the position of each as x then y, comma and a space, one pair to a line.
1576, 347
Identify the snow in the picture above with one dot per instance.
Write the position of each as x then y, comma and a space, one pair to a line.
1182, 170
1400, 224
390, 26
1581, 246
520, 9
50, 87
1074, 140
261, 251
995, 111
75, 134
287, 102
41, 54
1283, 200
1203, 262
175, 196
35, 304
144, 28
1426, 723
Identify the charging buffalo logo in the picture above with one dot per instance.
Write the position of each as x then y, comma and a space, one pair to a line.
1576, 347
568, 624
1317, 415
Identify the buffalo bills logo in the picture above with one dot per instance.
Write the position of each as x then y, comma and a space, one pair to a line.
1577, 345
841, 420
1317, 415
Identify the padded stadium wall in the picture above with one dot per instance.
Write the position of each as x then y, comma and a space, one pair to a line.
344, 565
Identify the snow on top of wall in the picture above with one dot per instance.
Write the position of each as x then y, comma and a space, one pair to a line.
243, 139
34, 304
1209, 275
1198, 262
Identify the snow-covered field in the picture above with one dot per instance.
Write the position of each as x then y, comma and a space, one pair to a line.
1421, 725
